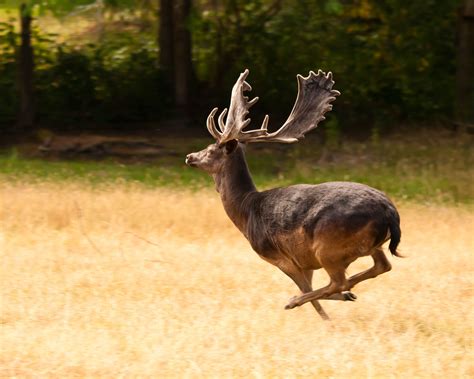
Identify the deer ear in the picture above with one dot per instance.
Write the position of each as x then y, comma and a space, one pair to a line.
230, 146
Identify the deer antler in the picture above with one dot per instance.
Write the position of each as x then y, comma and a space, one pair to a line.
238, 110
315, 94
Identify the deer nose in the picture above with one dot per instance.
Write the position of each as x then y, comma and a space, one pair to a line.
189, 159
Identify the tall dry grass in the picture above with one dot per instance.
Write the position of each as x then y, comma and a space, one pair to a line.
155, 283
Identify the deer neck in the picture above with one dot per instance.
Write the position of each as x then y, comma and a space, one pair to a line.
235, 186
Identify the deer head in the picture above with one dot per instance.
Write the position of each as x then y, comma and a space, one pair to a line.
315, 94
212, 158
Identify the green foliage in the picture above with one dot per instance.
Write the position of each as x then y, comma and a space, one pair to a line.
392, 60
8, 97
117, 79
105, 83
63, 7
332, 132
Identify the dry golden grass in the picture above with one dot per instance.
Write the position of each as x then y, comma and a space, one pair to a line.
154, 283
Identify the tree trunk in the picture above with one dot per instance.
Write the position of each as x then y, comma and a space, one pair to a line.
165, 37
182, 55
25, 74
465, 67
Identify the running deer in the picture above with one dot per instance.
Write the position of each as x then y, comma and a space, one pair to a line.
300, 228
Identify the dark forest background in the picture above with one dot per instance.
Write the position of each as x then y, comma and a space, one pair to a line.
82, 64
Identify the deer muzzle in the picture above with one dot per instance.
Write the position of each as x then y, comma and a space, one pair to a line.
191, 160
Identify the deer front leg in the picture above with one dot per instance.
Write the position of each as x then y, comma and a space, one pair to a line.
337, 285
300, 277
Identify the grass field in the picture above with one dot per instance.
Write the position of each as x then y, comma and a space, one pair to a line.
129, 281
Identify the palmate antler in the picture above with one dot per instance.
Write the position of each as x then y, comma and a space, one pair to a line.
315, 94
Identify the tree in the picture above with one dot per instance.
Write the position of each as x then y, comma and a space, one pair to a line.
165, 37
182, 54
175, 49
465, 67
25, 71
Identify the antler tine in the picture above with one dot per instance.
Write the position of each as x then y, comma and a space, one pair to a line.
221, 120
265, 122
211, 126
253, 101
254, 135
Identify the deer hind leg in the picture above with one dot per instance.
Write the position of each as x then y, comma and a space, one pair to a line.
342, 296
381, 265
302, 279
337, 284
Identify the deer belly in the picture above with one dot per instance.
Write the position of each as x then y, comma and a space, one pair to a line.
295, 246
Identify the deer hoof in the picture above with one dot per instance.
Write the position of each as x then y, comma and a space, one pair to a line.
293, 303
349, 296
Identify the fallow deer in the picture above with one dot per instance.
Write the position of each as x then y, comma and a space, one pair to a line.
303, 227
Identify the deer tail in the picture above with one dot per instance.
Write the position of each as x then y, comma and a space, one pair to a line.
395, 234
